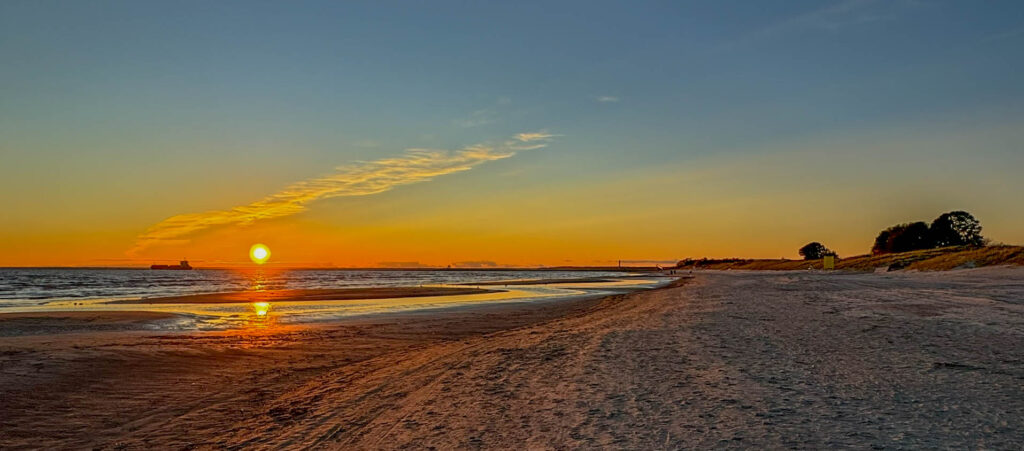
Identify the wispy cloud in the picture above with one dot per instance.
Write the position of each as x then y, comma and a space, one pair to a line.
367, 143
834, 17
1007, 34
838, 15
534, 136
359, 179
477, 118
484, 116
607, 99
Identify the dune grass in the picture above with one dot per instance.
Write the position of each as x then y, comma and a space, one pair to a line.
923, 260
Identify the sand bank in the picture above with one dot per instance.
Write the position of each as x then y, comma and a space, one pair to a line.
758, 360
544, 281
334, 294
578, 280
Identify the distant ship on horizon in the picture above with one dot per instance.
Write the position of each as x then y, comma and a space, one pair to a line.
181, 265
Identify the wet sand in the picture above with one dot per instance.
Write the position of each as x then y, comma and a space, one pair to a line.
42, 323
333, 294
731, 359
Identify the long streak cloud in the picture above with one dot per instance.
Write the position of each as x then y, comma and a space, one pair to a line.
359, 179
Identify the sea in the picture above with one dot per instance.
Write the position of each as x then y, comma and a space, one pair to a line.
74, 289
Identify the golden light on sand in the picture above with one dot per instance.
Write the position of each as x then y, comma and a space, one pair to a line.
261, 308
259, 253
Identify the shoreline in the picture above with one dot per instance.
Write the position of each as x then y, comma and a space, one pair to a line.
136, 370
306, 295
752, 359
57, 322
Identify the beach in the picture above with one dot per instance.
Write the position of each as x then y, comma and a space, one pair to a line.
804, 359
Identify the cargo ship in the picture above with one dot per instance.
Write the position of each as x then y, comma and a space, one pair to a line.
181, 265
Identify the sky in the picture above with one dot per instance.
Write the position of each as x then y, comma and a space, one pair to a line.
500, 133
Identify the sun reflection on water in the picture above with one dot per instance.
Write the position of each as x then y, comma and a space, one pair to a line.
260, 280
257, 281
261, 308
260, 316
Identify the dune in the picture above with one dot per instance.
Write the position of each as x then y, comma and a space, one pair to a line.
940, 259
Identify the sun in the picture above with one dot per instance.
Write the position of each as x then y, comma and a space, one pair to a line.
259, 253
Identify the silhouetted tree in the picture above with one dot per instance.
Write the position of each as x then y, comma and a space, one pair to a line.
914, 236
903, 238
956, 228
815, 251
881, 245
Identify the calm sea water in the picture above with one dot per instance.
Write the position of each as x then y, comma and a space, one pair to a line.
29, 290
41, 287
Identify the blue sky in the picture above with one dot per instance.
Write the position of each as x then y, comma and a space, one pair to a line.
113, 95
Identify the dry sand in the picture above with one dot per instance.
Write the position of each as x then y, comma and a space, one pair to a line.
777, 359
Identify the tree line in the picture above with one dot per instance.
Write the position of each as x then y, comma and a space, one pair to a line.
956, 228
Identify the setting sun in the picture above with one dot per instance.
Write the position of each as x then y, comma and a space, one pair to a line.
259, 253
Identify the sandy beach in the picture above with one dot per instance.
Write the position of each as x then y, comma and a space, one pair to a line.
726, 359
